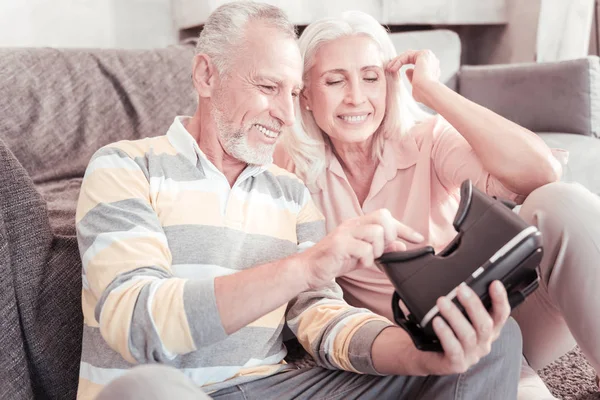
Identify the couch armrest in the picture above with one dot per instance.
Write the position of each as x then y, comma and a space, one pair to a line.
543, 97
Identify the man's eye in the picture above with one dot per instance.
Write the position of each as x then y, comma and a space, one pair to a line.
331, 83
268, 88
295, 94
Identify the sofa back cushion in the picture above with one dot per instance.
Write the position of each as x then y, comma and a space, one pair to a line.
58, 105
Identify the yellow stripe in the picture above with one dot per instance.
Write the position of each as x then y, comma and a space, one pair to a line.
279, 171
88, 306
262, 219
108, 185
88, 390
170, 318
313, 320
116, 316
263, 370
309, 213
272, 319
189, 207
124, 256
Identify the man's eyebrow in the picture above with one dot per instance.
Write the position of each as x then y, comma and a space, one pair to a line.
342, 70
278, 81
271, 78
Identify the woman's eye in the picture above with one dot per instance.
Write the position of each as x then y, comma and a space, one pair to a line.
372, 79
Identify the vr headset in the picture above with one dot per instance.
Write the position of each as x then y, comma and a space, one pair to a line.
493, 243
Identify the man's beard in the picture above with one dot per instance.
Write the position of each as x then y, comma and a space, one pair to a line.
235, 142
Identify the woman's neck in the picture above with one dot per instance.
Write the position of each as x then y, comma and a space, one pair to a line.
359, 165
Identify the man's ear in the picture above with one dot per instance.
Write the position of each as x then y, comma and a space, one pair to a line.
204, 75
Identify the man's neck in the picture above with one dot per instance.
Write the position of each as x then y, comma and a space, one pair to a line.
207, 138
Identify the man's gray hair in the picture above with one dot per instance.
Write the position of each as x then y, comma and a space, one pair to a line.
223, 32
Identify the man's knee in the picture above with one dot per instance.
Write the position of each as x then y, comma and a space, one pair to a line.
510, 342
152, 382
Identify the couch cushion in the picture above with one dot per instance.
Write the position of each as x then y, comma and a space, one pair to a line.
543, 97
58, 107
583, 165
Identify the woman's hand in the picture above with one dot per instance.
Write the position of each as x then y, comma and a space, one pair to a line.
426, 71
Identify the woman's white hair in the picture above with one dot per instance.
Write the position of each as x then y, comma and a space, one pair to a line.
307, 144
223, 34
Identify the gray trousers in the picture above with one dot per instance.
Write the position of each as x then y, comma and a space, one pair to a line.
494, 377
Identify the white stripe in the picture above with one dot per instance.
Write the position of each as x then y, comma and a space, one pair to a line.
274, 359
154, 286
332, 335
99, 376
305, 245
104, 240
433, 312
111, 161
159, 183
513, 242
200, 271
325, 301
200, 376
255, 197
219, 187
84, 282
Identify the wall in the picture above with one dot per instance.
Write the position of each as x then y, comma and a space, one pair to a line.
86, 23
513, 43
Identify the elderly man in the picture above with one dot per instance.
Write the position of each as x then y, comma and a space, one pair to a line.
196, 250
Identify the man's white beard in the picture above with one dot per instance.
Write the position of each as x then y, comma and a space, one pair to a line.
235, 142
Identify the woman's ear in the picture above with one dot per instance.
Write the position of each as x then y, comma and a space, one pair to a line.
204, 75
304, 101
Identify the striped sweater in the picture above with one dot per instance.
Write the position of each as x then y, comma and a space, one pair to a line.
156, 223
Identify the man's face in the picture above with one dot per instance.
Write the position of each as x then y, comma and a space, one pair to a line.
254, 101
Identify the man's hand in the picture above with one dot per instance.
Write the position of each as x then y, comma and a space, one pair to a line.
464, 343
355, 243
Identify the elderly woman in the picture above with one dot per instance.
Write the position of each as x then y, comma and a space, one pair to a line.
365, 145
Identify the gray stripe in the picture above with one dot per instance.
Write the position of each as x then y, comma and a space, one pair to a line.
175, 167
109, 151
203, 316
236, 350
277, 186
225, 247
306, 299
144, 343
120, 279
311, 231
361, 344
120, 216
319, 348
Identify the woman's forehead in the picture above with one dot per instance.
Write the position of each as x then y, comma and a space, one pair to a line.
348, 51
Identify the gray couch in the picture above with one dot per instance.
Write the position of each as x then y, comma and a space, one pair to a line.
57, 107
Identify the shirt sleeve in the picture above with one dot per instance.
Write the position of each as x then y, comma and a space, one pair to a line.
337, 335
454, 161
129, 291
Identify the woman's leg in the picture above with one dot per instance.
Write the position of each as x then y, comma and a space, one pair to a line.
564, 310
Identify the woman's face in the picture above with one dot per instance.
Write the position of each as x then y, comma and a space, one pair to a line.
346, 89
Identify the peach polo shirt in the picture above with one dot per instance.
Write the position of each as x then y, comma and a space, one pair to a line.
418, 180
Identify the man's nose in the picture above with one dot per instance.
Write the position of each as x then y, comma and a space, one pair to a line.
284, 110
